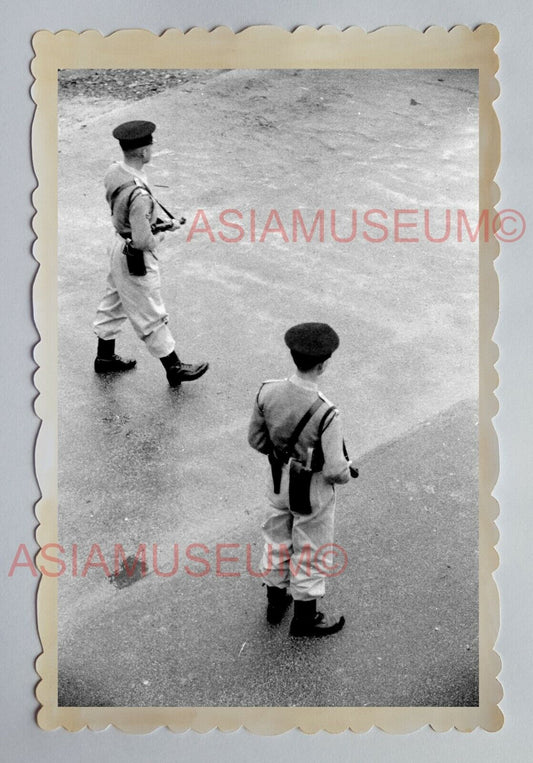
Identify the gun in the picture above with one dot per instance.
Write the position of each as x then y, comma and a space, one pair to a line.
162, 225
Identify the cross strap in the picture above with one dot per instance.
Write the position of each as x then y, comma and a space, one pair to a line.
293, 439
117, 191
137, 184
321, 429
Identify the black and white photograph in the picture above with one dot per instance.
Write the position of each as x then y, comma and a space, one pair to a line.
329, 203
268, 499
271, 443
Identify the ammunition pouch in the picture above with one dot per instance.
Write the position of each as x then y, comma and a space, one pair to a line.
299, 487
134, 260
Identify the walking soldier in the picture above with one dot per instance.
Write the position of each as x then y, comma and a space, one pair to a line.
133, 285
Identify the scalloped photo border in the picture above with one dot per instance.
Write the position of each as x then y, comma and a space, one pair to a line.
261, 47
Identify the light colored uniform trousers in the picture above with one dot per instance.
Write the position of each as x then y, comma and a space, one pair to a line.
137, 298
296, 545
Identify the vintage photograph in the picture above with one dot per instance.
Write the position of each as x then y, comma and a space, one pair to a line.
265, 301
313, 231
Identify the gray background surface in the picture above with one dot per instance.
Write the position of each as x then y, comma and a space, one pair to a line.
21, 739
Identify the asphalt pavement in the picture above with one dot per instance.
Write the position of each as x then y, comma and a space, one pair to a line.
199, 637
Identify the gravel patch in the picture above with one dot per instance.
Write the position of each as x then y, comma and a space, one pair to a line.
127, 84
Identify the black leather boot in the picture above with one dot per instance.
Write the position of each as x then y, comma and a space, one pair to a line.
307, 621
279, 600
107, 362
183, 372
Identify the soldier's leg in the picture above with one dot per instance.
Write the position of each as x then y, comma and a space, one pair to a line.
110, 317
144, 306
312, 537
277, 550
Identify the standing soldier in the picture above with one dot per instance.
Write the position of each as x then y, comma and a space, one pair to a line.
300, 431
133, 285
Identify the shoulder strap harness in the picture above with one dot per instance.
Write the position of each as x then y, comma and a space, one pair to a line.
277, 457
137, 184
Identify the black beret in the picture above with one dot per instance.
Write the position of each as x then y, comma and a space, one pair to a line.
134, 134
317, 340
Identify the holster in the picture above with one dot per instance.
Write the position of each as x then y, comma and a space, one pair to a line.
134, 260
275, 466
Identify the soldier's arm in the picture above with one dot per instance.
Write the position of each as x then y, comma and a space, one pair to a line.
336, 467
140, 219
258, 436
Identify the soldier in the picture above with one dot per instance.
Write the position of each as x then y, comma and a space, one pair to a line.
300, 431
133, 285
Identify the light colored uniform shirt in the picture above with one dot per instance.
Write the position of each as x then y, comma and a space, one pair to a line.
279, 406
132, 221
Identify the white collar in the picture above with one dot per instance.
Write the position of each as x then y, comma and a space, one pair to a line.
136, 173
299, 382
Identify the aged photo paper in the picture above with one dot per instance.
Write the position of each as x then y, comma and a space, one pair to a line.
336, 177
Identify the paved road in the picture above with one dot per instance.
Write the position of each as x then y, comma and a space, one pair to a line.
406, 591
142, 463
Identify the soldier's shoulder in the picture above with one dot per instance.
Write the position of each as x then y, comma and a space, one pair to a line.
329, 411
141, 193
115, 171
325, 400
270, 386
116, 177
